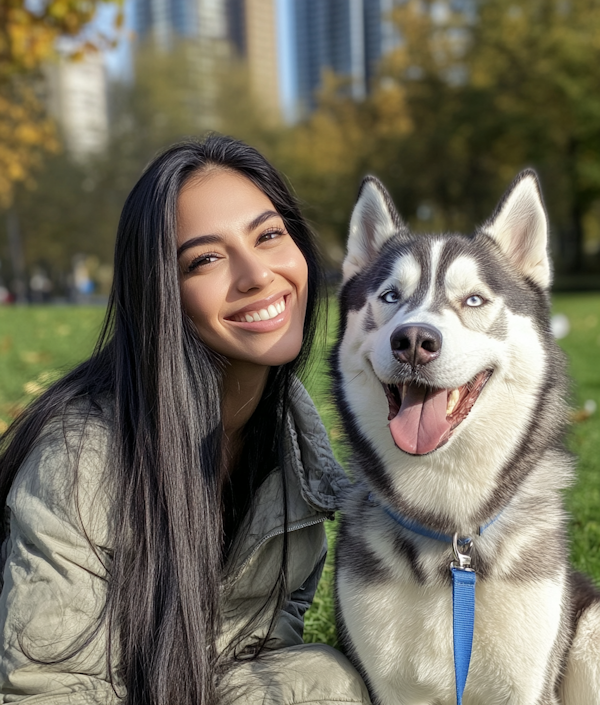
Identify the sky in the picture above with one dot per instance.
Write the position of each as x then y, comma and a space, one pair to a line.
118, 60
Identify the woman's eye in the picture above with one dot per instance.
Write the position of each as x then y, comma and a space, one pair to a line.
202, 261
390, 297
474, 300
271, 235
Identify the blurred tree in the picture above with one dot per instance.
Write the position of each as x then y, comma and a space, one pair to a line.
323, 157
74, 206
488, 87
66, 213
544, 57
28, 35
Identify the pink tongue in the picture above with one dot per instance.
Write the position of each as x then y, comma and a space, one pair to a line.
421, 422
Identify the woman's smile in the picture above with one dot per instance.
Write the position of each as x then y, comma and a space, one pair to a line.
270, 310
243, 278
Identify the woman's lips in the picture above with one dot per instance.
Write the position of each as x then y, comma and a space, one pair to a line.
261, 314
265, 318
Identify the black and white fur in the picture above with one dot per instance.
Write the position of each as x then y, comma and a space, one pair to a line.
537, 623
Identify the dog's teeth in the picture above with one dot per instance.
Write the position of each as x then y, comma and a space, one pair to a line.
404, 387
452, 401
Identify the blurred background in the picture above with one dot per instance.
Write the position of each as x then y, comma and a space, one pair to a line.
444, 100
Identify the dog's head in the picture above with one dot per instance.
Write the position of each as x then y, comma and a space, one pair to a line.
445, 347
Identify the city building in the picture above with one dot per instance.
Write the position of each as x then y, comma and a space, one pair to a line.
205, 23
263, 53
165, 20
287, 44
347, 37
77, 99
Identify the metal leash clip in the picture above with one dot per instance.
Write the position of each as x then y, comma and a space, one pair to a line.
462, 560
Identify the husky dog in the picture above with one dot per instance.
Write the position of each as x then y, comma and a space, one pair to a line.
452, 393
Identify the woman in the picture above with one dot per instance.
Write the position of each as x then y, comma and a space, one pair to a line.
165, 500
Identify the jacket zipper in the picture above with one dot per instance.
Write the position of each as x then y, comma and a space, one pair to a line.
276, 532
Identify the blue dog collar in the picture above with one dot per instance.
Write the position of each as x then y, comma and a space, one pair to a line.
464, 579
417, 528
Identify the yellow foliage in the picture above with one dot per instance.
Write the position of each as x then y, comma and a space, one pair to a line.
28, 39
25, 134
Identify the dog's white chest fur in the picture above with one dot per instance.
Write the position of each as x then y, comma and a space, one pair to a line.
402, 633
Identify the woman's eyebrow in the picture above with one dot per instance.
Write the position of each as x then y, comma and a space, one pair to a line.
200, 240
212, 239
259, 220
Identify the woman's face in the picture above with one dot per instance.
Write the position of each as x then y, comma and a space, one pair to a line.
243, 278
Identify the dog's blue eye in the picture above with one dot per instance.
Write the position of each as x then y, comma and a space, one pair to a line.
474, 300
390, 297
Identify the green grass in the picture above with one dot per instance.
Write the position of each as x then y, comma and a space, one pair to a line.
582, 346
37, 344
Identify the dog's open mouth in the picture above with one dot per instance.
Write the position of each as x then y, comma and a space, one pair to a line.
422, 418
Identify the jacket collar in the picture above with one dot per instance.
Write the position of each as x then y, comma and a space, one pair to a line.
315, 483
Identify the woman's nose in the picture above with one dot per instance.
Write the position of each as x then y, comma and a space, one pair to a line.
252, 273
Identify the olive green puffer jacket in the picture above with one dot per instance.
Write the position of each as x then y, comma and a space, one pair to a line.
58, 549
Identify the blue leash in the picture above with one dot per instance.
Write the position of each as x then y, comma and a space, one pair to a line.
463, 621
463, 593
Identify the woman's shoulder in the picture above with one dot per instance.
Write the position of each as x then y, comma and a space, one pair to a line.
67, 469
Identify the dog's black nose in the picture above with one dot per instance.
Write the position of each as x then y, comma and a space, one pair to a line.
416, 344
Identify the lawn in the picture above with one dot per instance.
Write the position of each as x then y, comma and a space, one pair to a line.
38, 344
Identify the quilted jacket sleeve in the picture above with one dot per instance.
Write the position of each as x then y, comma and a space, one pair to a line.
55, 574
289, 628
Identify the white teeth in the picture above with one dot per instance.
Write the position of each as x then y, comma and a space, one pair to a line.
265, 314
452, 401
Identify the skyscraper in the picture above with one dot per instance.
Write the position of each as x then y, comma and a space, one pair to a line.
77, 96
205, 24
345, 36
166, 19
287, 44
263, 54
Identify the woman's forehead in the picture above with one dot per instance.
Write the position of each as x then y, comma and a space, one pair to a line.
218, 200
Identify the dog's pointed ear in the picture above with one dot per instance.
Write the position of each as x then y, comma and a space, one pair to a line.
520, 227
374, 220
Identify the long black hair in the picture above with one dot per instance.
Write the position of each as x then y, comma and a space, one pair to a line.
165, 386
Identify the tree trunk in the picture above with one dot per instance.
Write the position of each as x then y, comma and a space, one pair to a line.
17, 259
